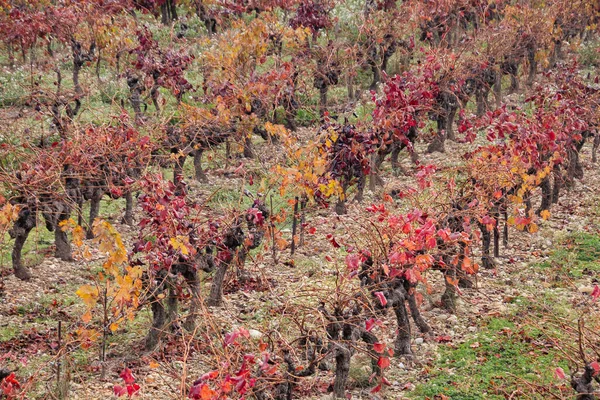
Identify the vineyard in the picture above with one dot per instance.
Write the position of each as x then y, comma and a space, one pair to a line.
299, 199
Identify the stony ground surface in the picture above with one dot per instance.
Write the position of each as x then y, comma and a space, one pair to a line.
30, 311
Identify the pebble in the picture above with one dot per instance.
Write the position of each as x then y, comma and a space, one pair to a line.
585, 289
443, 317
419, 341
254, 334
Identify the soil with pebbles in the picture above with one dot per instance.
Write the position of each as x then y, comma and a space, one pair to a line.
259, 309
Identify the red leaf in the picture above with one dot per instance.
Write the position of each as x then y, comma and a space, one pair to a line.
132, 389
9, 386
209, 375
332, 240
352, 261
369, 324
443, 339
379, 347
596, 367
127, 376
376, 389
144, 141
119, 390
12, 379
596, 292
407, 228
383, 362
431, 242
559, 373
381, 298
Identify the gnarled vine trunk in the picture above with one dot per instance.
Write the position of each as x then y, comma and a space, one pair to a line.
61, 240
128, 217
198, 172
25, 222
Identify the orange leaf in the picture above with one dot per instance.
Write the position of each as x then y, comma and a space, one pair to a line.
87, 317
533, 228
206, 393
453, 282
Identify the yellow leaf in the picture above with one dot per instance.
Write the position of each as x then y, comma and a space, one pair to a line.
67, 224
114, 326
545, 214
89, 294
178, 243
8, 213
533, 228
110, 267
153, 364
119, 256
87, 254
78, 236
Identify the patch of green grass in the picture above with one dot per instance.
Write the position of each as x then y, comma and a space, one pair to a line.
586, 246
492, 364
227, 195
588, 54
578, 255
9, 332
360, 371
39, 238
306, 117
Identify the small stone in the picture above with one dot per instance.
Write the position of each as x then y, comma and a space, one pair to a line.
419, 341
585, 289
254, 334
178, 365
401, 365
443, 317
472, 329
